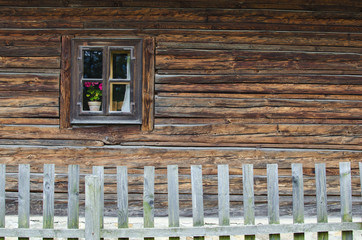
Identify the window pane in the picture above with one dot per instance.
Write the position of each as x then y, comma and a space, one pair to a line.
92, 64
92, 92
120, 97
120, 61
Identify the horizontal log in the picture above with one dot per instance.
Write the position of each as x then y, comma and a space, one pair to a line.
29, 82
273, 129
34, 51
237, 140
262, 88
137, 157
259, 112
106, 134
280, 146
285, 62
253, 103
212, 19
29, 112
223, 120
260, 96
26, 101
29, 121
334, 5
10, 38
256, 47
259, 78
29, 62
182, 38
41, 142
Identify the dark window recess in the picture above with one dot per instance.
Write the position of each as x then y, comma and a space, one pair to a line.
106, 82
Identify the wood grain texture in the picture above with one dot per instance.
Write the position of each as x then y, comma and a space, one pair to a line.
346, 197
148, 84
2, 195
248, 197
65, 82
92, 207
321, 197
73, 198
24, 197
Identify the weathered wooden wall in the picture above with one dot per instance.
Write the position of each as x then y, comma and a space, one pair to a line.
235, 82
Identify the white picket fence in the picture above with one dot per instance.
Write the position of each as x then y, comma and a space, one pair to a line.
94, 204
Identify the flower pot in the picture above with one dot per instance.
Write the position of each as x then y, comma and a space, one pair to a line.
94, 105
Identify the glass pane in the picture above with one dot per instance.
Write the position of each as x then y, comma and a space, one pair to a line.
120, 63
120, 97
92, 96
92, 64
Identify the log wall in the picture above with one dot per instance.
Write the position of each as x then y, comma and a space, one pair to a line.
235, 82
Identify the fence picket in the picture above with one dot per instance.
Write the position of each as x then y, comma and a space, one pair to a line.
223, 197
2, 197
92, 207
48, 197
273, 197
346, 197
149, 197
173, 198
360, 175
24, 197
73, 197
122, 197
197, 197
248, 194
298, 197
99, 171
321, 197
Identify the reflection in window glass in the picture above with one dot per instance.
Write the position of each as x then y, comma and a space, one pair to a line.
92, 64
120, 97
92, 96
119, 64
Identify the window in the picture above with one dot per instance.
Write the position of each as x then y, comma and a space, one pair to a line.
106, 84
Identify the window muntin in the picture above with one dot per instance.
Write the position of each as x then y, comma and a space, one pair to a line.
110, 73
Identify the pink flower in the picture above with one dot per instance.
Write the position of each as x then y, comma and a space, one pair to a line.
87, 84
100, 86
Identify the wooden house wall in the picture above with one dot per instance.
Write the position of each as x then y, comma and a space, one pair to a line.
235, 82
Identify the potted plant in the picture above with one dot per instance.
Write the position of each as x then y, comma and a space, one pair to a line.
94, 95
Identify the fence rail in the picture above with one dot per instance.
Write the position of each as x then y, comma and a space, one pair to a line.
94, 205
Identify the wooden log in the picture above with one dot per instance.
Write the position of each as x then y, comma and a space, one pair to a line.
29, 82
65, 82
148, 84
29, 62
258, 78
286, 38
137, 157
267, 88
